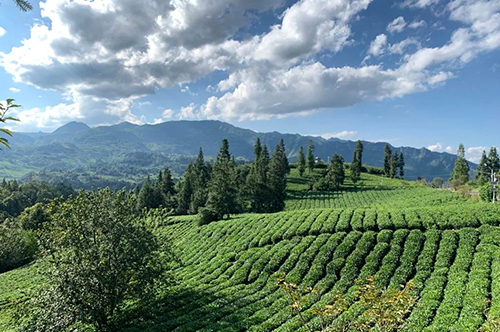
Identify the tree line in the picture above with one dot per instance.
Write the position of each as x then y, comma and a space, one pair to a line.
224, 188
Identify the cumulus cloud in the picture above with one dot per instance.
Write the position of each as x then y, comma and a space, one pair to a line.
2, 31
159, 44
398, 25
168, 113
14, 90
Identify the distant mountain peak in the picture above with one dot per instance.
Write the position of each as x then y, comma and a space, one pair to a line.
72, 127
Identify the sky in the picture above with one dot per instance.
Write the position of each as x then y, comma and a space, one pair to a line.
422, 73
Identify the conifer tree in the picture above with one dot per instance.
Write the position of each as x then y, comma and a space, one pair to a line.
394, 165
336, 173
310, 156
222, 195
278, 169
256, 182
483, 173
387, 160
186, 191
301, 162
148, 197
200, 179
460, 175
357, 162
401, 165
493, 160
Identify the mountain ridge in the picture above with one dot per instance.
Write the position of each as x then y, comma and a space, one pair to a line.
75, 147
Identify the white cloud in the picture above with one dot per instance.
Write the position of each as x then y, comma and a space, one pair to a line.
168, 113
15, 90
419, 3
188, 112
401, 47
377, 45
417, 24
398, 25
474, 153
2, 31
341, 134
435, 147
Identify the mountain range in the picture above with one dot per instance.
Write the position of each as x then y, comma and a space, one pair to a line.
128, 152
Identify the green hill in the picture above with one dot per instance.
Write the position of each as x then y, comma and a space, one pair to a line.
390, 229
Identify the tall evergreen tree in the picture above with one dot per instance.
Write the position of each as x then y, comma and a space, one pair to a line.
256, 182
301, 162
493, 160
483, 172
201, 176
222, 195
278, 169
387, 160
394, 164
310, 156
185, 190
460, 175
148, 197
401, 165
357, 162
336, 173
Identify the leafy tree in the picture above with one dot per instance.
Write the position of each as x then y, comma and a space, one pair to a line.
310, 156
460, 175
102, 255
401, 165
222, 196
387, 160
301, 162
357, 162
437, 182
278, 169
335, 172
483, 172
493, 160
17, 247
34, 217
4, 118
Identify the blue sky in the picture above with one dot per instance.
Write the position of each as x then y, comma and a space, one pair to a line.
414, 72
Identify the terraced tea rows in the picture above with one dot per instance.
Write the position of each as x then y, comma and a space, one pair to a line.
231, 266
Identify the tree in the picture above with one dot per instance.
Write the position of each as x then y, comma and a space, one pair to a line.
200, 178
336, 173
222, 195
460, 175
387, 160
401, 165
357, 162
301, 162
394, 164
437, 182
310, 156
483, 172
102, 255
278, 169
4, 118
256, 181
148, 198
23, 5
493, 161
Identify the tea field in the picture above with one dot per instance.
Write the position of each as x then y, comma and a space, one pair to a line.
226, 278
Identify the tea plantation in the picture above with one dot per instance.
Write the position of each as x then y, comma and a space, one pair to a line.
392, 230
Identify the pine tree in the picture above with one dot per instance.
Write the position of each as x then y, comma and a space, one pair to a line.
401, 165
483, 173
148, 197
357, 162
278, 169
256, 182
186, 191
460, 175
310, 156
336, 173
222, 196
301, 162
200, 178
387, 160
493, 161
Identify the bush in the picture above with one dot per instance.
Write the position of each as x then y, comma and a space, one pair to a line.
206, 216
485, 193
34, 217
17, 247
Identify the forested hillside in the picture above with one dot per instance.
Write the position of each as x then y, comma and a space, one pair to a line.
122, 155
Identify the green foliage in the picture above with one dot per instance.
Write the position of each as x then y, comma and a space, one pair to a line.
102, 254
17, 247
23, 5
278, 170
483, 171
4, 108
437, 182
356, 164
310, 156
336, 173
485, 193
460, 175
35, 217
387, 160
301, 162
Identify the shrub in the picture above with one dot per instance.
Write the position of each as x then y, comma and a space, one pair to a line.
206, 216
485, 193
17, 247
